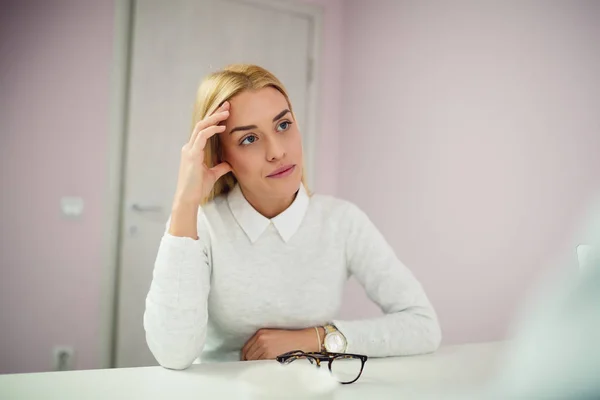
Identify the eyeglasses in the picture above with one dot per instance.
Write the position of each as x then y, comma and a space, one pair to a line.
346, 368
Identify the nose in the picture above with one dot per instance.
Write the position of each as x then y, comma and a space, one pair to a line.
275, 149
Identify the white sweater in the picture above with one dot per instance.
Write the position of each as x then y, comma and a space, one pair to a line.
246, 272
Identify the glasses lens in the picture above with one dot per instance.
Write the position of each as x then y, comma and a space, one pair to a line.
346, 369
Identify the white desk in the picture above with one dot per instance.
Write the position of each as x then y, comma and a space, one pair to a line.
452, 369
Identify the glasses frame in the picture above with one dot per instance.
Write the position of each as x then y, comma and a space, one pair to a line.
322, 356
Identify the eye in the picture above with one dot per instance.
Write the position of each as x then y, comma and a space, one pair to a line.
248, 140
283, 126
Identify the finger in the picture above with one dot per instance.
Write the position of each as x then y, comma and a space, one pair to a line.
219, 170
248, 345
205, 134
195, 132
256, 352
214, 119
202, 124
223, 107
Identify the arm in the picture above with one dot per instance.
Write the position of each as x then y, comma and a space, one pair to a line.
176, 306
410, 324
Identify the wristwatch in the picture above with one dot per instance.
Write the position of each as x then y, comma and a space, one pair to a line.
335, 341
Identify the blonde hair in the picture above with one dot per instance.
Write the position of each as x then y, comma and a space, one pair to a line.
215, 89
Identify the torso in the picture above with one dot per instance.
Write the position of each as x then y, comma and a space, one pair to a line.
271, 283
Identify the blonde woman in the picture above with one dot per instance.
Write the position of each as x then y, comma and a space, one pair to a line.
251, 264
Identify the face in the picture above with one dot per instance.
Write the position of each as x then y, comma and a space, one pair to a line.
262, 144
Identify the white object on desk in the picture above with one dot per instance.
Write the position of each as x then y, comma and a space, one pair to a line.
587, 257
297, 380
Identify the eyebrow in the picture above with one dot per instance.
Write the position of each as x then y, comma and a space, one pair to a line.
281, 114
248, 127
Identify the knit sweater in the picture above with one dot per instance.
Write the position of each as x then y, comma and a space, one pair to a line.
246, 272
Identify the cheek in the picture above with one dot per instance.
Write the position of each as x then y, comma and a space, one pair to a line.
240, 159
295, 143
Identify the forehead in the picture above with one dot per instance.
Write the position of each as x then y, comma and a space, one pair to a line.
252, 107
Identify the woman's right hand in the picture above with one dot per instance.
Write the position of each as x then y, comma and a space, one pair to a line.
195, 179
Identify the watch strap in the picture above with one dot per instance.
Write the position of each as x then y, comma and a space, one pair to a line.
329, 329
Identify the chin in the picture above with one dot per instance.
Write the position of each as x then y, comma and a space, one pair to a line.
286, 186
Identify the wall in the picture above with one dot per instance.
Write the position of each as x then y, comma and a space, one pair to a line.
55, 63
470, 134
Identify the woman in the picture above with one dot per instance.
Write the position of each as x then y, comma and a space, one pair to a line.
251, 264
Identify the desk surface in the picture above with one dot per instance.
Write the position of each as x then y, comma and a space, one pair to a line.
451, 369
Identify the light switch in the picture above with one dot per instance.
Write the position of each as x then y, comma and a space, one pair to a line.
71, 207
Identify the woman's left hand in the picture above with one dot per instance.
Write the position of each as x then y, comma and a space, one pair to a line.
266, 344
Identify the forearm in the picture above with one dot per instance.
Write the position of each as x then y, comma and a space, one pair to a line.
409, 332
176, 306
184, 220
310, 339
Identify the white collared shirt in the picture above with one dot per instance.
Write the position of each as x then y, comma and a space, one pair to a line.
247, 272
254, 223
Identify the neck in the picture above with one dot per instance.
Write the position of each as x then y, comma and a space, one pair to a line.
269, 207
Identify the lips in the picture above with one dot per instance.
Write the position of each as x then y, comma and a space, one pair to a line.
281, 171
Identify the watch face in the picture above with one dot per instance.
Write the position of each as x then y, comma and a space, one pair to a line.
335, 342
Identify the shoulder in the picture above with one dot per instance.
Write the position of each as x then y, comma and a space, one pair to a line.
337, 208
214, 206
214, 211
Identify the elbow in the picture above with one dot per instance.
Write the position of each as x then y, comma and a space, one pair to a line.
432, 335
175, 359
435, 337
176, 351
168, 362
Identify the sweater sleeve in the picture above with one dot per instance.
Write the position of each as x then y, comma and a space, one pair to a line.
176, 305
410, 325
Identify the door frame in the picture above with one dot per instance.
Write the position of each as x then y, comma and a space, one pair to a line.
117, 136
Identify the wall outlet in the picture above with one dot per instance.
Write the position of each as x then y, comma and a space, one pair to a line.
63, 358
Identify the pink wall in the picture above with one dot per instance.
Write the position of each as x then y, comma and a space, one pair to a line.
55, 62
470, 133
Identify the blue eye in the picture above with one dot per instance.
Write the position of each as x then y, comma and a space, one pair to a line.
248, 140
283, 125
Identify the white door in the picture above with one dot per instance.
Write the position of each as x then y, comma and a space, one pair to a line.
174, 45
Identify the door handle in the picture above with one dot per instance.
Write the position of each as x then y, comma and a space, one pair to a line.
144, 208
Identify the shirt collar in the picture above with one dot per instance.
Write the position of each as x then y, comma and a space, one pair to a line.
254, 224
